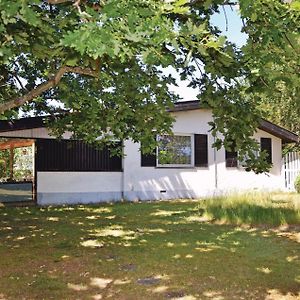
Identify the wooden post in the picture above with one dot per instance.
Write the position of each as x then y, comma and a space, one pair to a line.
11, 162
33, 173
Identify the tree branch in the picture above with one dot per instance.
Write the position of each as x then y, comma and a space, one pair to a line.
52, 82
191, 3
76, 4
59, 1
226, 19
19, 81
289, 41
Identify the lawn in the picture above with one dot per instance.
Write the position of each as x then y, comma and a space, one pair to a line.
226, 248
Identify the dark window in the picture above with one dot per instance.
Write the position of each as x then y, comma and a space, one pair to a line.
71, 155
231, 157
148, 160
201, 150
266, 144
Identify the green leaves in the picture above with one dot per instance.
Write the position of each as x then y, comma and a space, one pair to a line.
9, 11
29, 15
272, 58
176, 7
129, 42
295, 5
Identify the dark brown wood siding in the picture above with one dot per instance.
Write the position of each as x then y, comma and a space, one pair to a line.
266, 144
201, 150
72, 155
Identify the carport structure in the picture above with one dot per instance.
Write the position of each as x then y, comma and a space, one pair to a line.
17, 178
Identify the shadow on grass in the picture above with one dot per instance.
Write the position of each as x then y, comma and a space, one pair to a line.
142, 251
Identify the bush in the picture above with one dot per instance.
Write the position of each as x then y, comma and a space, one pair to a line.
297, 184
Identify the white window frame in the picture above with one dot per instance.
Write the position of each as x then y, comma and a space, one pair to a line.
178, 165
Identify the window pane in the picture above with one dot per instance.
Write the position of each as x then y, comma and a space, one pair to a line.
175, 150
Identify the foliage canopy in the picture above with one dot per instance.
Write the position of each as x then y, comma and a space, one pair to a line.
99, 64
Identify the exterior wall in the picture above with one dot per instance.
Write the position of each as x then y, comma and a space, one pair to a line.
146, 183
149, 183
236, 179
55, 188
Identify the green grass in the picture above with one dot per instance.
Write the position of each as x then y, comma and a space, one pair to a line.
253, 209
109, 251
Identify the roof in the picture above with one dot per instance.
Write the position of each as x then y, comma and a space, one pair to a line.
36, 122
286, 135
22, 124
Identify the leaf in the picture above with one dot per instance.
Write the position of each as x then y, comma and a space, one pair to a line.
133, 37
188, 58
253, 17
72, 61
295, 5
30, 16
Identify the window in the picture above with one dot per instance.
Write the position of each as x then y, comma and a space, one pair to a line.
148, 160
179, 150
201, 150
175, 150
231, 157
266, 145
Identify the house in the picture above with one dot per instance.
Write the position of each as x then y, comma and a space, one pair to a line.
70, 171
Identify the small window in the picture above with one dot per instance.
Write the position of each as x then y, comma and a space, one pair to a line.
231, 157
148, 160
175, 151
201, 150
266, 145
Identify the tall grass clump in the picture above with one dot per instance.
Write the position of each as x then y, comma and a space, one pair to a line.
253, 209
297, 184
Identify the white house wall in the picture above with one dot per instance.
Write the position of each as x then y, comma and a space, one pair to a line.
146, 183
166, 183
236, 179
78, 187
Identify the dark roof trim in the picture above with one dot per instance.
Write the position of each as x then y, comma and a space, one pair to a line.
36, 122
280, 132
22, 124
187, 105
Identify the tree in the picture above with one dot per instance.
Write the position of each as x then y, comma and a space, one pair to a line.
270, 61
276, 62
102, 62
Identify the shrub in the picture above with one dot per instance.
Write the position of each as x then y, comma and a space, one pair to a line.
297, 184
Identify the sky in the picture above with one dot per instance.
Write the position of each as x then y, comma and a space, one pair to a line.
232, 32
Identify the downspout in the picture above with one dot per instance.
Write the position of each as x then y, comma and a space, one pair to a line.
123, 175
216, 166
34, 171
